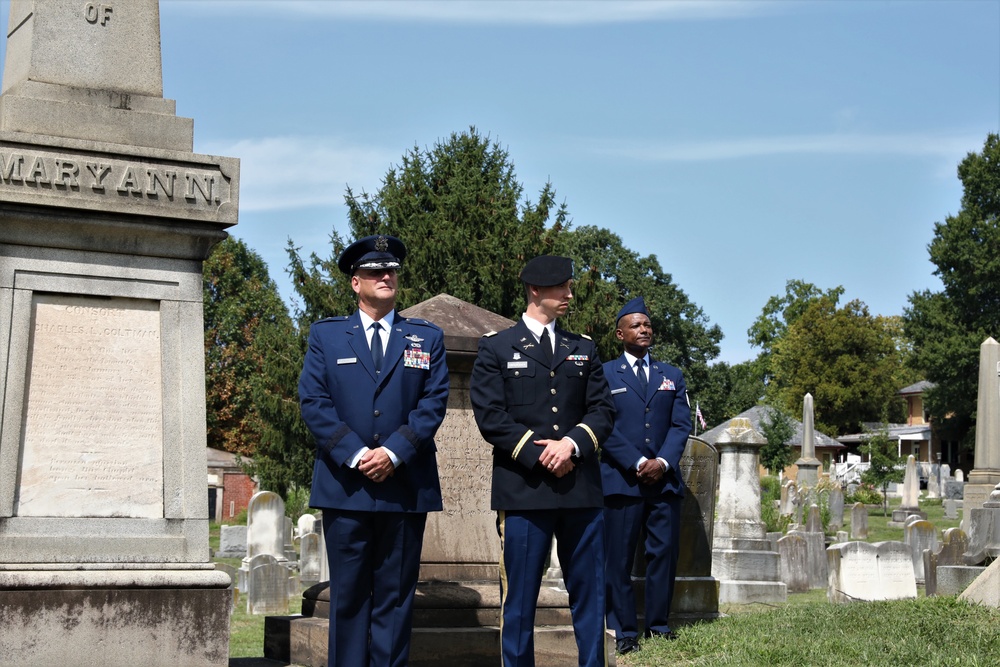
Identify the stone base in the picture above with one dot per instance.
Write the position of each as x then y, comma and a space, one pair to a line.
116, 627
747, 592
903, 513
303, 641
953, 579
453, 624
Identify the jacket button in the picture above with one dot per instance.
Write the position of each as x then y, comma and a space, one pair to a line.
377, 413
555, 427
376, 437
553, 391
552, 374
555, 409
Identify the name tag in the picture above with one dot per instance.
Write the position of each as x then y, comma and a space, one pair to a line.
619, 391
417, 359
517, 364
347, 360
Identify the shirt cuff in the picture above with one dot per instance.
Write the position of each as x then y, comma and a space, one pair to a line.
663, 462
638, 464
576, 448
356, 459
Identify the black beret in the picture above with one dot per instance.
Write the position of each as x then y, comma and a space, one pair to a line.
636, 305
372, 252
547, 270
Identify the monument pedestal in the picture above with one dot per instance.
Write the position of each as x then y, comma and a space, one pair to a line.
135, 617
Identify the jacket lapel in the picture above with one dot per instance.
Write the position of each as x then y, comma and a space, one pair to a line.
525, 342
359, 343
628, 377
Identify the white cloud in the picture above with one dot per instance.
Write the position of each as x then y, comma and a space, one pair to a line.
526, 12
942, 145
295, 172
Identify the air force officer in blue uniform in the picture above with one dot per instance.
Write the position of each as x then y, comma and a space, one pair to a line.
373, 390
540, 399
641, 476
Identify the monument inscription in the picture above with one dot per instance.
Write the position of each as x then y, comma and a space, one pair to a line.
92, 443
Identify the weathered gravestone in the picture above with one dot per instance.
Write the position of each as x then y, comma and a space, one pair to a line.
265, 532
106, 216
232, 542
920, 534
867, 572
268, 585
836, 508
814, 522
816, 560
311, 557
950, 508
945, 570
859, 522
794, 554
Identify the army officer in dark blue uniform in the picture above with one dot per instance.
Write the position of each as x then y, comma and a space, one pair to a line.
373, 390
641, 476
540, 398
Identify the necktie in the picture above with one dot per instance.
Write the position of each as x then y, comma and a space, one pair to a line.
546, 345
640, 373
377, 352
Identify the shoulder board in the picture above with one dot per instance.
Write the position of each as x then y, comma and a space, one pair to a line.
586, 336
489, 333
338, 318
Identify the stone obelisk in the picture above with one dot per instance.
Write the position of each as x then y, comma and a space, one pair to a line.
986, 475
106, 215
808, 464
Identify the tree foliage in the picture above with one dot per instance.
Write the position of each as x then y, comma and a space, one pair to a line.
460, 210
779, 429
852, 363
730, 390
948, 327
885, 464
252, 358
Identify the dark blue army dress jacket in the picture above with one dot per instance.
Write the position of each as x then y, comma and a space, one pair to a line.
655, 424
348, 406
518, 398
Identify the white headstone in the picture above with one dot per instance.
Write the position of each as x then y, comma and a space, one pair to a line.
266, 525
267, 586
863, 571
859, 522
794, 555
920, 535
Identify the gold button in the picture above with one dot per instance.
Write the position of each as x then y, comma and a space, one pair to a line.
553, 391
516, 373
552, 374
555, 427
555, 409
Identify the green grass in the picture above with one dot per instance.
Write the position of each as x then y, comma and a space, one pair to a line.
809, 632
880, 531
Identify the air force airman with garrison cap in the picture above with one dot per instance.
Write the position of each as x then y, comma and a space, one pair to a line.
642, 480
373, 392
540, 399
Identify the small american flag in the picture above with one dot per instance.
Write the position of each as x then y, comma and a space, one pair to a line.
697, 413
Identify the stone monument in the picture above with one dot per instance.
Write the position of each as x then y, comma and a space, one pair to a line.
986, 475
808, 464
747, 568
106, 215
909, 505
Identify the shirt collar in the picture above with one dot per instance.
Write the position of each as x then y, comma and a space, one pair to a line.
536, 327
631, 360
386, 321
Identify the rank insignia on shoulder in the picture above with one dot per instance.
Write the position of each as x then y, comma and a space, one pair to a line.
489, 333
586, 336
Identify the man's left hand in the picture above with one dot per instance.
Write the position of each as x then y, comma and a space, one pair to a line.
650, 471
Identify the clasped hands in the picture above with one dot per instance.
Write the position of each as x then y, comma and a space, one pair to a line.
557, 457
376, 465
650, 471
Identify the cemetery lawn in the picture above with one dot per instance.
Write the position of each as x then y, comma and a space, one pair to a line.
933, 631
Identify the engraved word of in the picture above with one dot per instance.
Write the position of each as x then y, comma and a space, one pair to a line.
97, 13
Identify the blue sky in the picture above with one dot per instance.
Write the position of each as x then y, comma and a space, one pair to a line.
742, 143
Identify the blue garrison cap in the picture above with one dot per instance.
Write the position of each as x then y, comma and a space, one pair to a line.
636, 305
547, 270
372, 252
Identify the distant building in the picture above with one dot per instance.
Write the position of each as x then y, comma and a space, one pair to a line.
827, 449
229, 488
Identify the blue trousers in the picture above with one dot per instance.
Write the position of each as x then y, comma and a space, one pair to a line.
374, 564
525, 541
624, 516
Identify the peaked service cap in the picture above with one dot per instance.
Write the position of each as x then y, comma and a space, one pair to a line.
547, 270
372, 252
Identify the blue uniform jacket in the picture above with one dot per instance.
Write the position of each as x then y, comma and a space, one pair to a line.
654, 425
517, 399
346, 406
